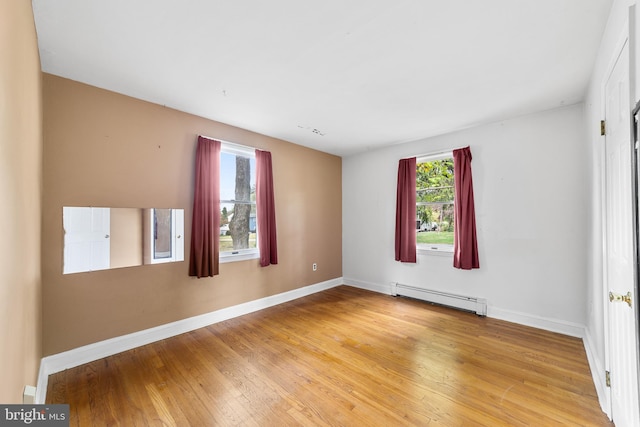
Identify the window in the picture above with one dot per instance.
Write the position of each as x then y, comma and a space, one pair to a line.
238, 223
434, 203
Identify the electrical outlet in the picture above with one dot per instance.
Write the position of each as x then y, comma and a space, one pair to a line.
314, 266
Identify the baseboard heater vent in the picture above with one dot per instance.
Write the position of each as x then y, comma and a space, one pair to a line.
472, 304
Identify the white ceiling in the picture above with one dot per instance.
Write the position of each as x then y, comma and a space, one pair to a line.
335, 75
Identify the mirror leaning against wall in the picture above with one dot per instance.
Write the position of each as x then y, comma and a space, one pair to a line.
102, 238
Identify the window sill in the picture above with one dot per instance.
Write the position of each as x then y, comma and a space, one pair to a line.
445, 251
242, 256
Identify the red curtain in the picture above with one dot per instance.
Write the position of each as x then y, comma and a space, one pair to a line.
465, 242
205, 225
406, 211
266, 208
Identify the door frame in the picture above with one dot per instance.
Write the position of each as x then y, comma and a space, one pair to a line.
607, 405
624, 39
635, 185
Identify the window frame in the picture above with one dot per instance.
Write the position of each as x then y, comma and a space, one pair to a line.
437, 249
239, 254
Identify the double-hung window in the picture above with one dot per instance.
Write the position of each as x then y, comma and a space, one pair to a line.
238, 225
435, 191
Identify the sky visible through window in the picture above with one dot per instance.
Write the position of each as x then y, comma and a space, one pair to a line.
228, 171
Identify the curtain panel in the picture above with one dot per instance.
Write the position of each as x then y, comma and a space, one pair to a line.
465, 242
406, 211
205, 225
266, 209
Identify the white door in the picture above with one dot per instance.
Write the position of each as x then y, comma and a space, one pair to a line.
86, 239
620, 263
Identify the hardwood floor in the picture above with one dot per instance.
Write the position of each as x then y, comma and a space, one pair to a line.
341, 357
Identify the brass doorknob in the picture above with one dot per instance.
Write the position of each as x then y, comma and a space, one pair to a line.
613, 297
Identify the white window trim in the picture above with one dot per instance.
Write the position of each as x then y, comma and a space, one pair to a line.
237, 149
240, 254
435, 249
434, 156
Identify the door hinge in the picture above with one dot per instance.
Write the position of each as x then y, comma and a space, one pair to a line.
603, 128
608, 378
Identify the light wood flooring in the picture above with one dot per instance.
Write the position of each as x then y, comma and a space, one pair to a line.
342, 357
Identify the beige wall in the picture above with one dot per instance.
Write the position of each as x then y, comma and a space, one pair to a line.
105, 149
20, 198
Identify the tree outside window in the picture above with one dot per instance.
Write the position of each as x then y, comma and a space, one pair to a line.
238, 202
434, 203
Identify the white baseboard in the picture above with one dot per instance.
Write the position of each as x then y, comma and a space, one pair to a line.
552, 325
88, 353
375, 287
598, 369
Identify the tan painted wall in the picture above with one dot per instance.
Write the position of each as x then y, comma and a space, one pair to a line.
105, 149
20, 198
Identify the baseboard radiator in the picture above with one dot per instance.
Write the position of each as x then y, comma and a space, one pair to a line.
461, 302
